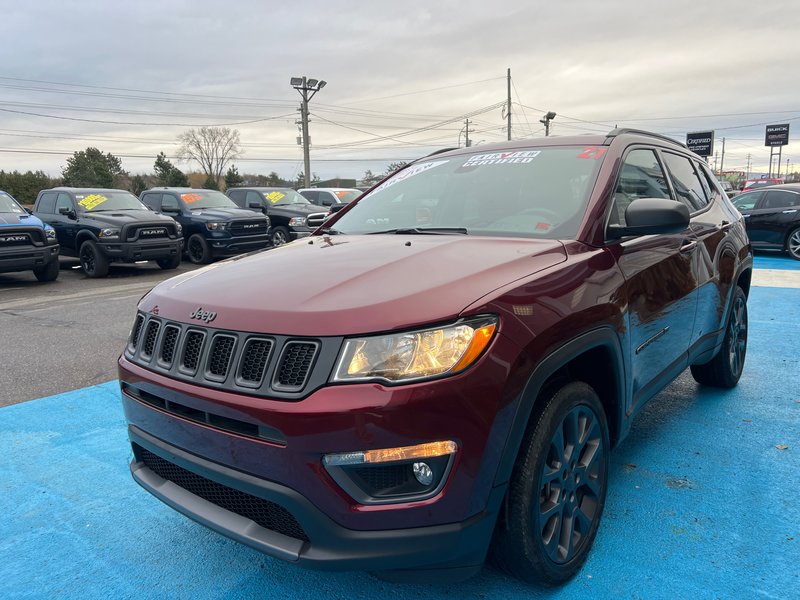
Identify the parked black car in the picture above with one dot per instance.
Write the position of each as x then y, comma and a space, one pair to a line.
25, 242
292, 215
101, 226
212, 224
328, 197
772, 217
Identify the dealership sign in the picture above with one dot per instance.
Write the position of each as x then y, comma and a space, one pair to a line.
701, 142
777, 135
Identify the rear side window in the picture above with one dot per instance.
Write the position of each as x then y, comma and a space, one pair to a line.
47, 203
237, 196
781, 199
641, 176
687, 184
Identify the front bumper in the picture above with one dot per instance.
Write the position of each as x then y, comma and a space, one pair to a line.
25, 258
141, 250
232, 245
456, 549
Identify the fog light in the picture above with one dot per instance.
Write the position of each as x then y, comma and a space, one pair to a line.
423, 473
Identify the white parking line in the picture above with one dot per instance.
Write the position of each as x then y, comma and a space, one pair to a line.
90, 293
776, 278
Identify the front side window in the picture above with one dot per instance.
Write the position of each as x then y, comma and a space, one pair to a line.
64, 202
169, 202
687, 184
199, 199
530, 192
641, 176
254, 200
106, 200
781, 199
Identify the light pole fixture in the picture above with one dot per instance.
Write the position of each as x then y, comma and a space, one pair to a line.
307, 89
545, 120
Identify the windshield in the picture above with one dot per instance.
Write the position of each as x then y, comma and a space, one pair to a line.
285, 196
533, 192
9, 205
108, 200
196, 200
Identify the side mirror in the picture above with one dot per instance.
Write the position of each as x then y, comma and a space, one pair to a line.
649, 216
172, 210
67, 212
336, 208
255, 205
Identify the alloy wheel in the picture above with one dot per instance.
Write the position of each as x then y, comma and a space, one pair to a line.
738, 336
571, 484
794, 244
87, 258
195, 250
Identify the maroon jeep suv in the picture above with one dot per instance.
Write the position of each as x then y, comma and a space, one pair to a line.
440, 372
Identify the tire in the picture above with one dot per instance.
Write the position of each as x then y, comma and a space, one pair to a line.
169, 263
554, 477
793, 243
280, 236
94, 262
49, 272
725, 369
197, 250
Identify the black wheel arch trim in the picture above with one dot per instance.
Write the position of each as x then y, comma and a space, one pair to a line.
602, 337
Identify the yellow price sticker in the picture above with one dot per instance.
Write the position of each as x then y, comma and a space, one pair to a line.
92, 201
274, 196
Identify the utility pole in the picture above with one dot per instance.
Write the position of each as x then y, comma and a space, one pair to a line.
304, 85
508, 106
722, 158
748, 166
467, 143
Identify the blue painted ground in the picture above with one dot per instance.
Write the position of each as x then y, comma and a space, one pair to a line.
776, 260
701, 503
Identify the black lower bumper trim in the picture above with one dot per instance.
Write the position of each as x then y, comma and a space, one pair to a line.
133, 251
27, 258
331, 546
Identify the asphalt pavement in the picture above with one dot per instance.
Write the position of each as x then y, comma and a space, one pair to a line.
67, 334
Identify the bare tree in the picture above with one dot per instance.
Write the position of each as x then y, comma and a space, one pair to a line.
212, 147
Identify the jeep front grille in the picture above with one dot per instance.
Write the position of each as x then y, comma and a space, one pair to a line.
271, 366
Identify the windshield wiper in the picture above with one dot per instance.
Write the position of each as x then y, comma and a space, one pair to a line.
331, 231
425, 231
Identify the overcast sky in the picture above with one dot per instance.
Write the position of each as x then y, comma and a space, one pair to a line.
401, 77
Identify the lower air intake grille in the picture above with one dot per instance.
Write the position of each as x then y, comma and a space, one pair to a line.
263, 512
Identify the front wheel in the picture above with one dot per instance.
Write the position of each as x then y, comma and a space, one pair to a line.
725, 369
280, 236
793, 244
49, 272
94, 262
197, 249
169, 263
557, 489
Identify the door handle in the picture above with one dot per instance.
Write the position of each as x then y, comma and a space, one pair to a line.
688, 247
725, 226
788, 212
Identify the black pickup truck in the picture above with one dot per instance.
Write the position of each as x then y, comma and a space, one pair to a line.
292, 215
101, 226
213, 225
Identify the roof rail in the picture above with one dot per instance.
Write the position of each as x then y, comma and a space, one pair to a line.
620, 130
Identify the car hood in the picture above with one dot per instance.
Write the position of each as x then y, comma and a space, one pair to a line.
344, 285
19, 219
123, 217
222, 214
296, 209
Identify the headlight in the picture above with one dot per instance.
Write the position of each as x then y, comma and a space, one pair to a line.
217, 226
297, 221
109, 233
49, 233
178, 228
415, 354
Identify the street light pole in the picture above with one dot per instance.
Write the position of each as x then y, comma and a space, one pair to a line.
304, 85
545, 120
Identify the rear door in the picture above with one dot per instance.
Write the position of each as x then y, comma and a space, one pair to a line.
770, 221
